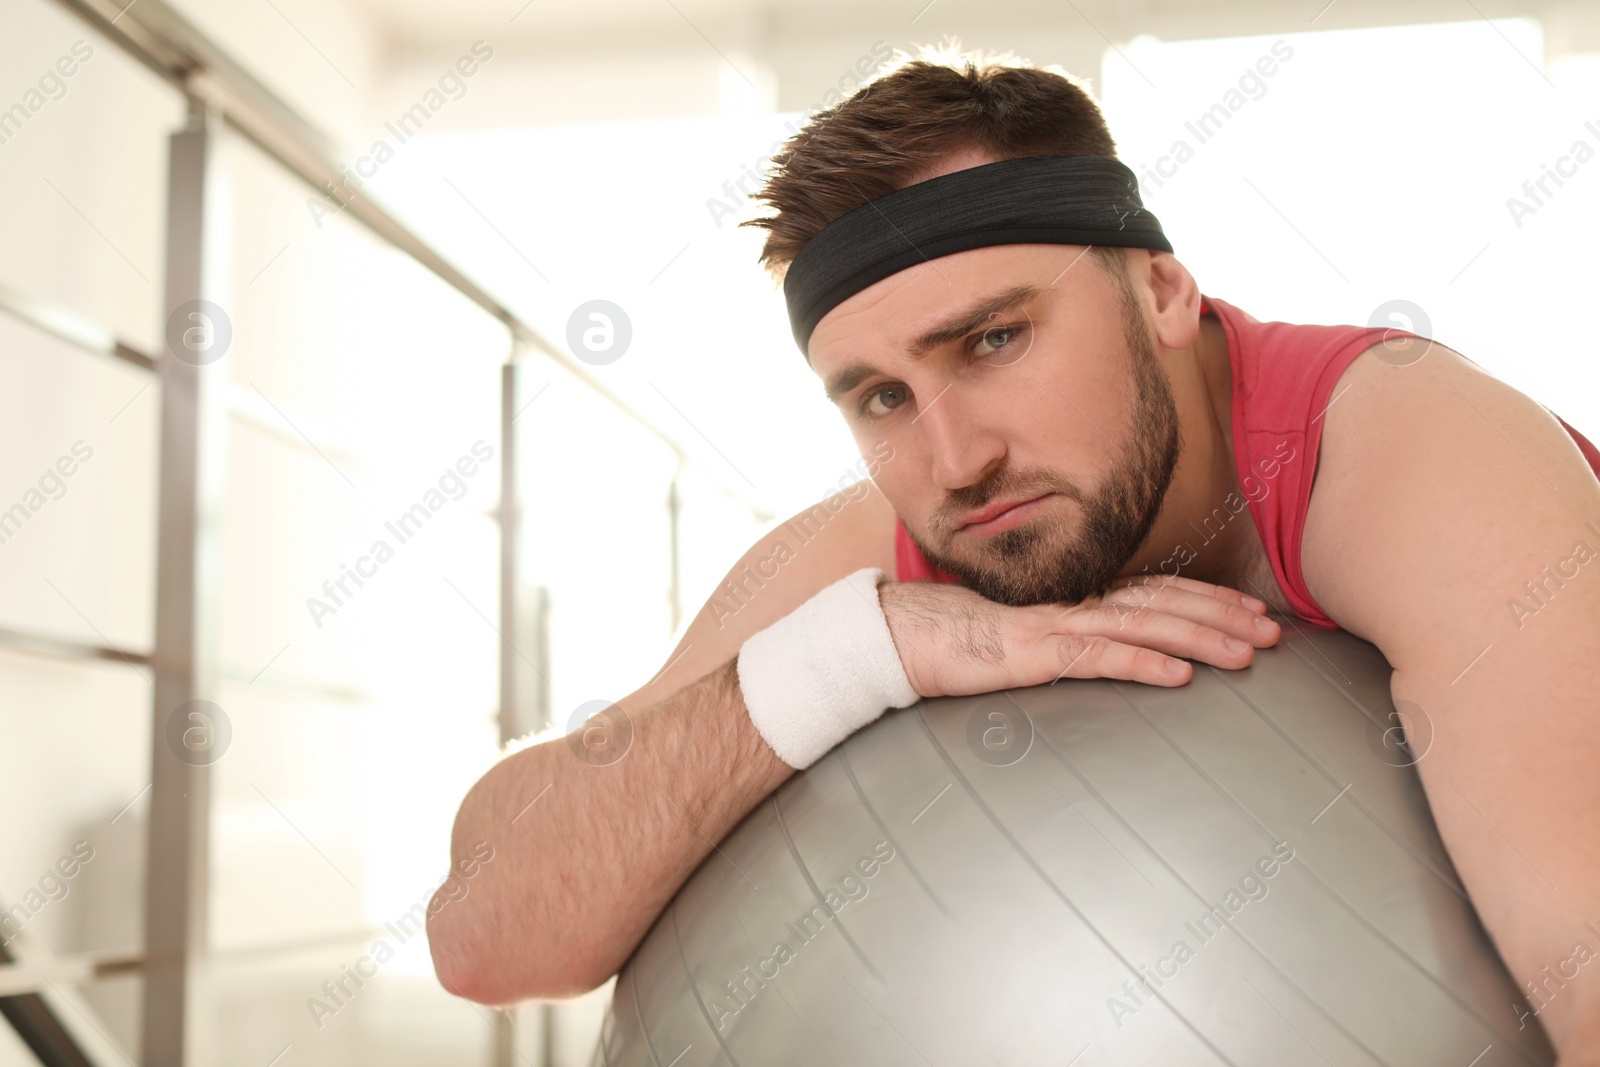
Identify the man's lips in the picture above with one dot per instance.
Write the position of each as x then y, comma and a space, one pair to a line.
1001, 515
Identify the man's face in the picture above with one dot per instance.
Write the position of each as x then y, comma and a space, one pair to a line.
1034, 431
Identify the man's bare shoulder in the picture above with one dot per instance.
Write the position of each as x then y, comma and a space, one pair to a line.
785, 567
1404, 426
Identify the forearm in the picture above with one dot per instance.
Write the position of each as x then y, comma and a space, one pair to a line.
586, 855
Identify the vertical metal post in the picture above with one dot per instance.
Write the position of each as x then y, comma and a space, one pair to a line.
188, 732
547, 1034
524, 626
524, 607
510, 546
674, 579
539, 711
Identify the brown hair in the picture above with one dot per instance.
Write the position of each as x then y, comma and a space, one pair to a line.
908, 117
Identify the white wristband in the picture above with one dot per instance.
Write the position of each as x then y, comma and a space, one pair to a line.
823, 671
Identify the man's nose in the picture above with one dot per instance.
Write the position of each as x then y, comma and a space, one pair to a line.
963, 446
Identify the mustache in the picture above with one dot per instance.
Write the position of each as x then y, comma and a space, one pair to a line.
1002, 484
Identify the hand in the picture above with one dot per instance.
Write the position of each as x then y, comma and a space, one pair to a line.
953, 642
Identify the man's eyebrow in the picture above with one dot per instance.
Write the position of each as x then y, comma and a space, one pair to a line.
964, 322
952, 329
848, 379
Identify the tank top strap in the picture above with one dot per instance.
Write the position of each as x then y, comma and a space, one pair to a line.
1283, 379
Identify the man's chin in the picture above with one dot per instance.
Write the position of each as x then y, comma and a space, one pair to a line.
1022, 567
1012, 581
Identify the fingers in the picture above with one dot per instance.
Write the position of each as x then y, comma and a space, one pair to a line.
1098, 656
1217, 612
1147, 634
1149, 585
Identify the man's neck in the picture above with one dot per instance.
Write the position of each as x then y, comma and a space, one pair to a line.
1204, 529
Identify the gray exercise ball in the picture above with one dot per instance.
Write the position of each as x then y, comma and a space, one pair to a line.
1241, 870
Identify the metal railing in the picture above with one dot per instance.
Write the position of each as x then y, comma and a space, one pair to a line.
191, 457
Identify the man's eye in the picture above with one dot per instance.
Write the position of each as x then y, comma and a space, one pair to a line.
994, 339
880, 402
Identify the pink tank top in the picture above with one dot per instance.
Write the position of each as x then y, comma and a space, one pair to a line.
1283, 374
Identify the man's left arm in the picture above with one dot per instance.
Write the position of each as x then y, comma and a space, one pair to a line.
1455, 524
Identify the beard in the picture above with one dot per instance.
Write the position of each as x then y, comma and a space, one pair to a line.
1037, 563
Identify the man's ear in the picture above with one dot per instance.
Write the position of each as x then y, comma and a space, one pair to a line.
1174, 296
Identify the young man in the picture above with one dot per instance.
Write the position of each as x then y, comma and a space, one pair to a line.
1065, 436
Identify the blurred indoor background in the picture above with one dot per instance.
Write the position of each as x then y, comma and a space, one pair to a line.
517, 161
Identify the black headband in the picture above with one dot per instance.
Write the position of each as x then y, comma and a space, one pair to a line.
1064, 200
